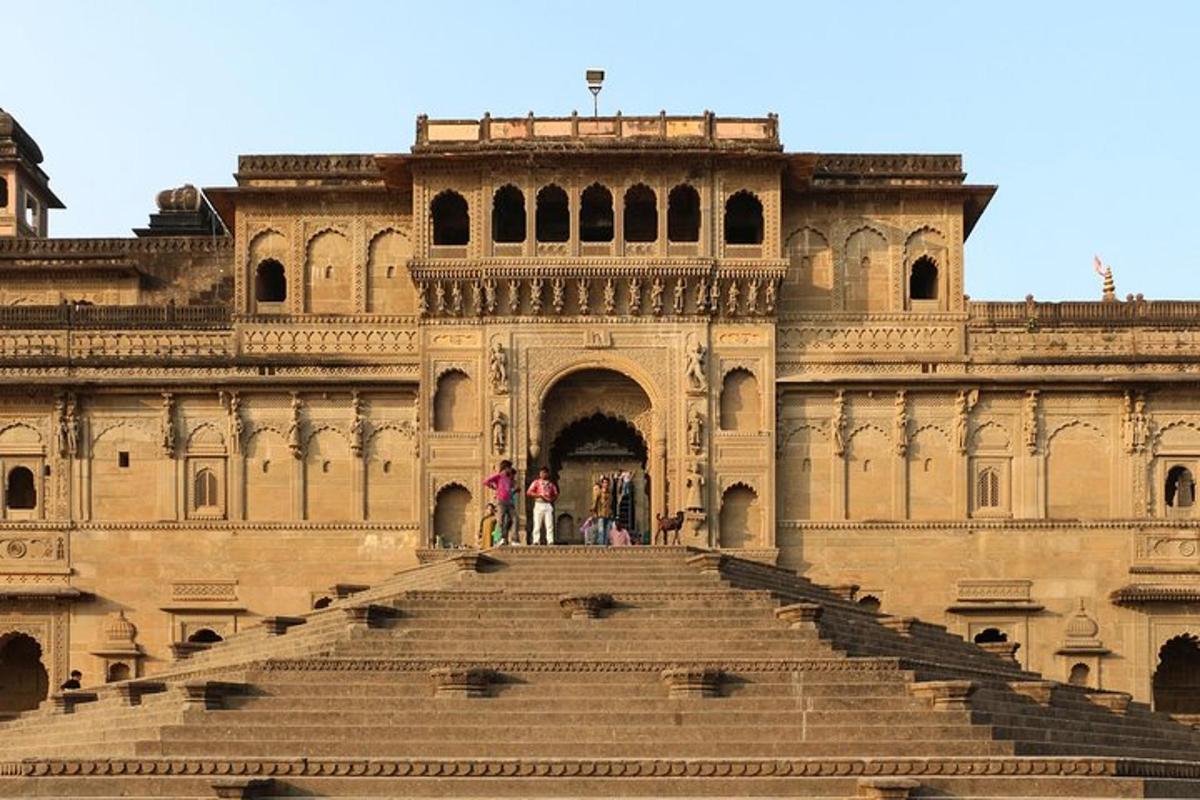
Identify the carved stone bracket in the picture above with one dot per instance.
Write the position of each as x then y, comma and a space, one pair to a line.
1005, 650
692, 681
1116, 702
454, 682
584, 606
945, 695
277, 626
1040, 692
901, 625
800, 615
209, 695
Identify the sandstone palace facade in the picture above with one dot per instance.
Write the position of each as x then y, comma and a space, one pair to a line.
291, 387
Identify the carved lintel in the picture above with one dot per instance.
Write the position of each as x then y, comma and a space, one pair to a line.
456, 682
692, 681
945, 695
800, 615
1116, 702
1040, 692
584, 606
277, 626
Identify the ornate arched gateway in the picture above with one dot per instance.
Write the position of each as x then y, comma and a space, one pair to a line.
24, 681
597, 421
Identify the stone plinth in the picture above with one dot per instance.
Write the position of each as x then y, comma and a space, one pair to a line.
901, 625
131, 692
687, 682
277, 626
709, 563
799, 615
65, 702
887, 788
242, 788
209, 695
945, 695
455, 682
1040, 692
183, 650
1116, 702
584, 606
1005, 650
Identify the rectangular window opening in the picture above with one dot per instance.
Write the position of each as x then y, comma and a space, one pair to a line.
123, 459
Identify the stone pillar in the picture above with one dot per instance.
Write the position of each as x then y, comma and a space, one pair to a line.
298, 488
237, 487
358, 488
900, 487
838, 481
658, 476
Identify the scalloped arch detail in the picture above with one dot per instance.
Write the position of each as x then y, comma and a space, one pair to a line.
1074, 423
14, 425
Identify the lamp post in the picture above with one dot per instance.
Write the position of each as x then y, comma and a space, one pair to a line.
595, 82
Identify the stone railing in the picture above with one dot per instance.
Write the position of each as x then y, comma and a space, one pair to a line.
1032, 314
91, 316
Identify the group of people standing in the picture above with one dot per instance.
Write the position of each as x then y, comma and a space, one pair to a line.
610, 518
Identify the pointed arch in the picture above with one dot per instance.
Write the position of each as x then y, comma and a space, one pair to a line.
452, 510
740, 516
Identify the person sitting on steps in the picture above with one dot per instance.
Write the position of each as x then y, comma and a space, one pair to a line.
544, 493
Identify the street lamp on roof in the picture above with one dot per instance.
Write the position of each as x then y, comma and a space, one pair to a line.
595, 82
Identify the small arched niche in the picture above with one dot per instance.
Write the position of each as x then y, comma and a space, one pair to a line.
270, 282
20, 492
450, 515
1177, 678
1179, 490
454, 403
740, 517
923, 280
596, 214
740, 401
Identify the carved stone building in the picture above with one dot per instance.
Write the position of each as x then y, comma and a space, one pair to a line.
284, 388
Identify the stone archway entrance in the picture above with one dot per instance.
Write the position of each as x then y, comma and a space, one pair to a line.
1177, 679
24, 682
598, 422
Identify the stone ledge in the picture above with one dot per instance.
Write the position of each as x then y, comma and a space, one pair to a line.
461, 682
692, 681
210, 695
887, 788
584, 606
945, 695
131, 692
65, 702
1116, 702
800, 615
243, 788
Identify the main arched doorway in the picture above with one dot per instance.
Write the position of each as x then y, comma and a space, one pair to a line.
1177, 679
24, 682
596, 422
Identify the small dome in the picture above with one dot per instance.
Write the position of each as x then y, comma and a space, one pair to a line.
1081, 626
119, 629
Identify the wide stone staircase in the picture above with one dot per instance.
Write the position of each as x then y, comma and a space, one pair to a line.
573, 672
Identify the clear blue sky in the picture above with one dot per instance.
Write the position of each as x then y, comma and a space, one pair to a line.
1085, 114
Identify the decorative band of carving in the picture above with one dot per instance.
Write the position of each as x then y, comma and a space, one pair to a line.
512, 666
1000, 766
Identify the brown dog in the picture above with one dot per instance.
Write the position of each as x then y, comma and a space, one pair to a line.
669, 525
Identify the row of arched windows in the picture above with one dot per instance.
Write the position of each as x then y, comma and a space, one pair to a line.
451, 216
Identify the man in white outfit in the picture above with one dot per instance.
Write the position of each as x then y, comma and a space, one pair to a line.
544, 493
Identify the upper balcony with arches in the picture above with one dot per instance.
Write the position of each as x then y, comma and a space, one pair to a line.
678, 188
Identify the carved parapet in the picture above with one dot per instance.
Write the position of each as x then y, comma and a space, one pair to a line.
945, 695
243, 788
1040, 692
209, 695
709, 563
1116, 702
131, 692
584, 606
456, 682
800, 615
1005, 650
277, 626
692, 681
65, 702
184, 650
901, 625
887, 788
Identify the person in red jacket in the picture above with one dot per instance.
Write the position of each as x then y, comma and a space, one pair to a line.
544, 493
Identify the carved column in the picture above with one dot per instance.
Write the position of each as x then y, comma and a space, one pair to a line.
658, 466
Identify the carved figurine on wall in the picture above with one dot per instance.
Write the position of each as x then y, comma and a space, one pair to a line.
535, 296
677, 295
1140, 427
499, 431
752, 296
558, 295
838, 424
695, 488
714, 297
60, 418
422, 300
731, 301
635, 295
610, 297
701, 294
456, 298
358, 425
582, 286
439, 297
656, 296
514, 296
695, 365
1031, 421
295, 440
498, 367
769, 295
964, 402
237, 426
489, 294
901, 423
167, 425
695, 430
